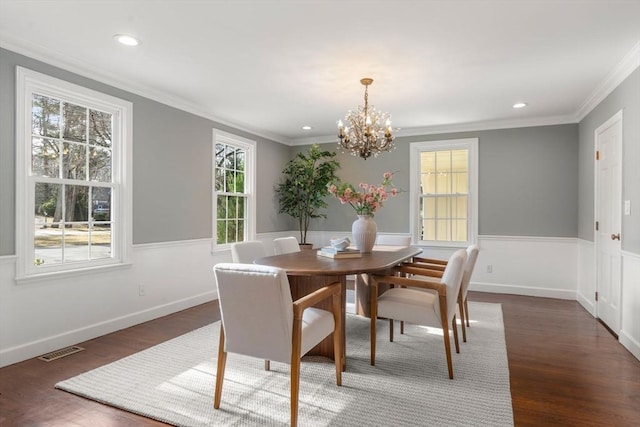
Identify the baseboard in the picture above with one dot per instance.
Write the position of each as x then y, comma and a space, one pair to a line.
630, 344
586, 303
500, 288
36, 348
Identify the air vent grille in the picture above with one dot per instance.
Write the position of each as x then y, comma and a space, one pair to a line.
54, 355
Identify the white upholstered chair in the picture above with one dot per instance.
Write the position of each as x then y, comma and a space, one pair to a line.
440, 265
247, 252
436, 310
393, 240
259, 319
285, 245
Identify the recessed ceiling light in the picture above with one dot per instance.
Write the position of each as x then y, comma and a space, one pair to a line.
127, 40
519, 105
306, 127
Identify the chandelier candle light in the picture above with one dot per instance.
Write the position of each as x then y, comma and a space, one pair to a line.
368, 130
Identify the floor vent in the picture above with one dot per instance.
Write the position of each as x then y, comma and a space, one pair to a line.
60, 353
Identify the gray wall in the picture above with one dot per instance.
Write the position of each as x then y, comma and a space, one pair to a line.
528, 182
534, 181
171, 164
625, 97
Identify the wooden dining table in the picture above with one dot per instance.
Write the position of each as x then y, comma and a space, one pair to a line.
308, 272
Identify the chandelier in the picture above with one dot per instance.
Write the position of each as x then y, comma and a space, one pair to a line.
368, 131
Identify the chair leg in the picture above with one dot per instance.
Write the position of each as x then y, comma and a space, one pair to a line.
374, 317
295, 386
454, 326
445, 333
295, 369
267, 365
461, 309
222, 361
401, 327
337, 341
390, 330
466, 311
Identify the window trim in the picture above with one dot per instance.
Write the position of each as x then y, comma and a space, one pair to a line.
28, 82
415, 149
222, 137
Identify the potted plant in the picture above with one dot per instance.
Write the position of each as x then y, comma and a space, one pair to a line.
304, 186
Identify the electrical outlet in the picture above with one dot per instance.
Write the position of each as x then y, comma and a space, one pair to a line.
141, 290
489, 268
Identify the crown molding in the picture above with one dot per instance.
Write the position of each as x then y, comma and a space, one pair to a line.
625, 67
85, 69
457, 127
621, 71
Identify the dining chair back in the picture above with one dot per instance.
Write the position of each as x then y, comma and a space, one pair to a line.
472, 256
285, 245
393, 240
247, 252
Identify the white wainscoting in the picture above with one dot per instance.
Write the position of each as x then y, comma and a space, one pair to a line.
586, 294
46, 315
534, 266
630, 326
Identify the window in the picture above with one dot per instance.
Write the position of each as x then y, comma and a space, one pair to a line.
234, 207
73, 197
444, 189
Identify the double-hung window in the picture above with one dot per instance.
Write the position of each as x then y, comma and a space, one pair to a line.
73, 192
444, 189
234, 198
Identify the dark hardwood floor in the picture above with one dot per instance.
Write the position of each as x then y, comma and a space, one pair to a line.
566, 369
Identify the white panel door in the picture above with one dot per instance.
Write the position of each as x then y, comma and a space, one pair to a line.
608, 139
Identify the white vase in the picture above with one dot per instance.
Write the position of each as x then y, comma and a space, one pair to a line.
364, 230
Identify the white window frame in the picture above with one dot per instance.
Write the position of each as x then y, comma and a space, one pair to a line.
470, 144
222, 137
29, 82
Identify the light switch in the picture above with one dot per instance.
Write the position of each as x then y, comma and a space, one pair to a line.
627, 207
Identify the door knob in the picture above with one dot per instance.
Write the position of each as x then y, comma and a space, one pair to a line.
615, 236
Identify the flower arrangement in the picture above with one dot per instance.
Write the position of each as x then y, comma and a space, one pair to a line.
369, 198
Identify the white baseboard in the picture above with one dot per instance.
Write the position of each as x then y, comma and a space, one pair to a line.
586, 303
45, 345
533, 291
630, 344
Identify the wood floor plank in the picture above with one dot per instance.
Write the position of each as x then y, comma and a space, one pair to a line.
565, 368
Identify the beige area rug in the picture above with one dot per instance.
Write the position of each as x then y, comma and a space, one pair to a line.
174, 381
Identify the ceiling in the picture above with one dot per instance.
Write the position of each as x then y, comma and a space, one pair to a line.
271, 66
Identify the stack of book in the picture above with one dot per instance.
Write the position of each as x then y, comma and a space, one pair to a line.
331, 252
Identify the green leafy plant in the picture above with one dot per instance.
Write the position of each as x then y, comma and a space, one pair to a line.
304, 187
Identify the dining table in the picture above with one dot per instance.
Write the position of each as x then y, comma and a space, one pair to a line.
307, 272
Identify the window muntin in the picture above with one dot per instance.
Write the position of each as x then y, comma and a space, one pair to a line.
444, 182
234, 197
73, 208
444, 195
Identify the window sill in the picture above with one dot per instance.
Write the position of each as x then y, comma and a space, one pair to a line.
53, 275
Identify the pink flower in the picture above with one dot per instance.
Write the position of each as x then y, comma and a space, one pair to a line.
369, 199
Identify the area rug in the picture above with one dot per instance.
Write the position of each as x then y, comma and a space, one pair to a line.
174, 381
